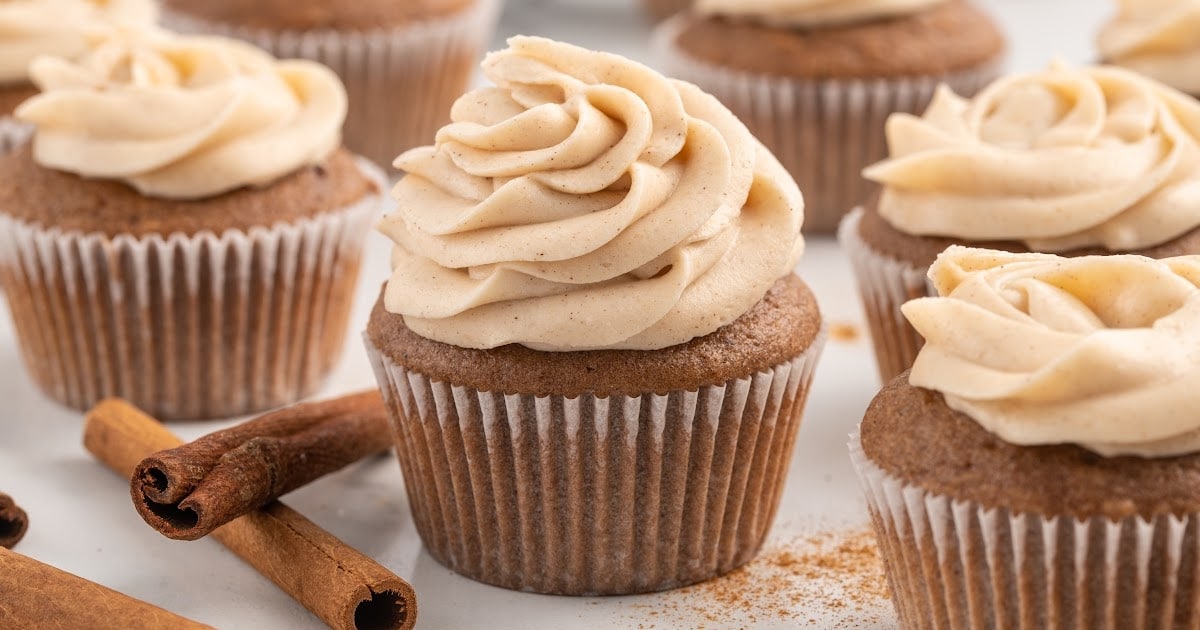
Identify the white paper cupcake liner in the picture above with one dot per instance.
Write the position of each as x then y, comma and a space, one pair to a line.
823, 131
13, 133
185, 327
884, 285
957, 564
595, 496
401, 82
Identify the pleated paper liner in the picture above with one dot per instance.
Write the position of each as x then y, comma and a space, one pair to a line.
823, 131
961, 565
401, 82
595, 496
13, 133
884, 285
185, 327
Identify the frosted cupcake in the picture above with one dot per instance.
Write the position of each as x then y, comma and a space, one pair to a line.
403, 63
29, 28
1069, 161
1158, 38
815, 80
1037, 467
592, 343
183, 230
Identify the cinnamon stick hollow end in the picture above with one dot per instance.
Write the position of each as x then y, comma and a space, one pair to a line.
388, 605
13, 522
189, 491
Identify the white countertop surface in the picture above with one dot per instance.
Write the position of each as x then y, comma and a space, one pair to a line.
82, 520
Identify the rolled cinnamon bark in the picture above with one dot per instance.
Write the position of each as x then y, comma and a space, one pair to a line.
37, 595
13, 522
187, 492
342, 587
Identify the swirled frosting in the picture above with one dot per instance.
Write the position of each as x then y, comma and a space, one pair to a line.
183, 117
810, 13
1158, 38
29, 28
1060, 159
586, 202
1098, 351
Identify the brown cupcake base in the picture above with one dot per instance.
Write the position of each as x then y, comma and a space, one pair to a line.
823, 129
598, 494
885, 284
401, 81
185, 327
979, 533
595, 496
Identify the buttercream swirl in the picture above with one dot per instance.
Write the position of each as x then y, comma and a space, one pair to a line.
586, 202
1060, 159
29, 28
812, 13
1158, 38
1098, 351
183, 117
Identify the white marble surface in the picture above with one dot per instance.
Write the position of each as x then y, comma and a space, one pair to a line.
82, 520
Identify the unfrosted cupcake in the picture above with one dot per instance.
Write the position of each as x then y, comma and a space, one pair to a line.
403, 63
592, 343
183, 230
1158, 38
1038, 467
29, 28
1069, 161
815, 80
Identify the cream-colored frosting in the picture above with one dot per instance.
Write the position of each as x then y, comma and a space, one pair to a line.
1060, 159
586, 202
1098, 351
812, 13
183, 117
29, 28
1158, 38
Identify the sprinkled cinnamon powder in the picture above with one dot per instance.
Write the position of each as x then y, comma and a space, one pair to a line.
829, 579
844, 332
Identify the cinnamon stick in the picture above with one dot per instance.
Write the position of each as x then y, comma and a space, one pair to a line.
187, 492
342, 587
13, 522
37, 595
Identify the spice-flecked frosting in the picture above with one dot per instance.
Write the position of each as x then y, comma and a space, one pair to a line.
1061, 159
182, 117
29, 28
1158, 38
812, 13
1098, 351
586, 202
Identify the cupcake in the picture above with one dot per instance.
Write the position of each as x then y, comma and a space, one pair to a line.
1037, 467
1158, 38
183, 231
29, 28
403, 63
1068, 161
815, 80
592, 344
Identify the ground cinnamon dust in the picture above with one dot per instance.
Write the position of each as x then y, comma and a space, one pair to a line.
829, 579
844, 332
